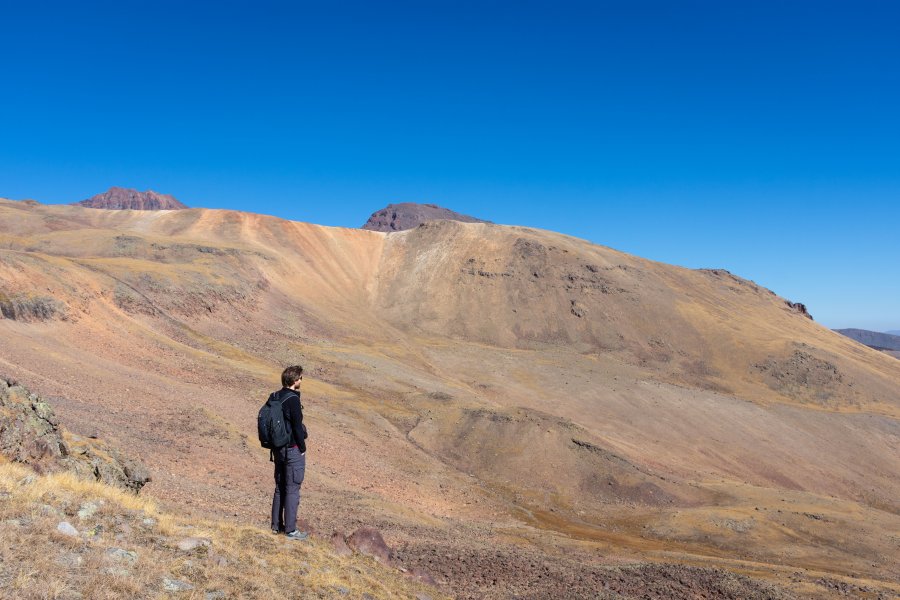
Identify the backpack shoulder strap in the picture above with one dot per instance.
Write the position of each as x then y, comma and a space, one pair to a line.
292, 393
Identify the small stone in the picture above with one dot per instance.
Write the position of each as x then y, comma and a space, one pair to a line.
66, 528
70, 560
27, 480
47, 510
118, 572
174, 585
148, 522
87, 510
342, 590
120, 555
421, 596
215, 595
191, 543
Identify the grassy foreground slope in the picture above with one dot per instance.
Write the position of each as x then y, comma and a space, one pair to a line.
123, 546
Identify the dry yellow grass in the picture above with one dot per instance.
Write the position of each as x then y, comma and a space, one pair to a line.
38, 561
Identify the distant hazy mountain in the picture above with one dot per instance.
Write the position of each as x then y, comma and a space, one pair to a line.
873, 339
893, 332
409, 215
127, 199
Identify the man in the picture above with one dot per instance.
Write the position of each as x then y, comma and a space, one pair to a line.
290, 461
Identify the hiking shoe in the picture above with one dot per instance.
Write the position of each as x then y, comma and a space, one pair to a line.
297, 535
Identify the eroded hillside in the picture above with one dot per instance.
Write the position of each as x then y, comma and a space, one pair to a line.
472, 387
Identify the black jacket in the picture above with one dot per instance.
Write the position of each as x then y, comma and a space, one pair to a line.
293, 417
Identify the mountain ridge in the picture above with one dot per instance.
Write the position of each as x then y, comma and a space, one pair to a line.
873, 339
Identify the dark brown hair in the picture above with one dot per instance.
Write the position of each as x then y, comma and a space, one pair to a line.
290, 375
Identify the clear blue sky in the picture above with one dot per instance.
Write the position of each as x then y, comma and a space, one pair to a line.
760, 137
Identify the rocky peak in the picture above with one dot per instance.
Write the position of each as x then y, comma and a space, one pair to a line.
117, 198
409, 215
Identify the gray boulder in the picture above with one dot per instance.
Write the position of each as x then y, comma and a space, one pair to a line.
66, 528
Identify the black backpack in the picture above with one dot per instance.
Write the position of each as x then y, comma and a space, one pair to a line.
273, 431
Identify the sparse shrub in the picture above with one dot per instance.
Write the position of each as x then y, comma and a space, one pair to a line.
22, 307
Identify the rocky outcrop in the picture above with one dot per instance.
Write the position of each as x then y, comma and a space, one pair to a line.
30, 433
798, 307
117, 198
27, 308
409, 215
803, 376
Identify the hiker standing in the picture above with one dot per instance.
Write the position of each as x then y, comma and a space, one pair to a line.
289, 457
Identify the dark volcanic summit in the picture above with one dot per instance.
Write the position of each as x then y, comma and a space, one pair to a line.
409, 215
126, 199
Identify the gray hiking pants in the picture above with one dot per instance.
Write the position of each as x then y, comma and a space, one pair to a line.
290, 468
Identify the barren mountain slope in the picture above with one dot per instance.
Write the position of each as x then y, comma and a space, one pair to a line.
473, 388
520, 288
